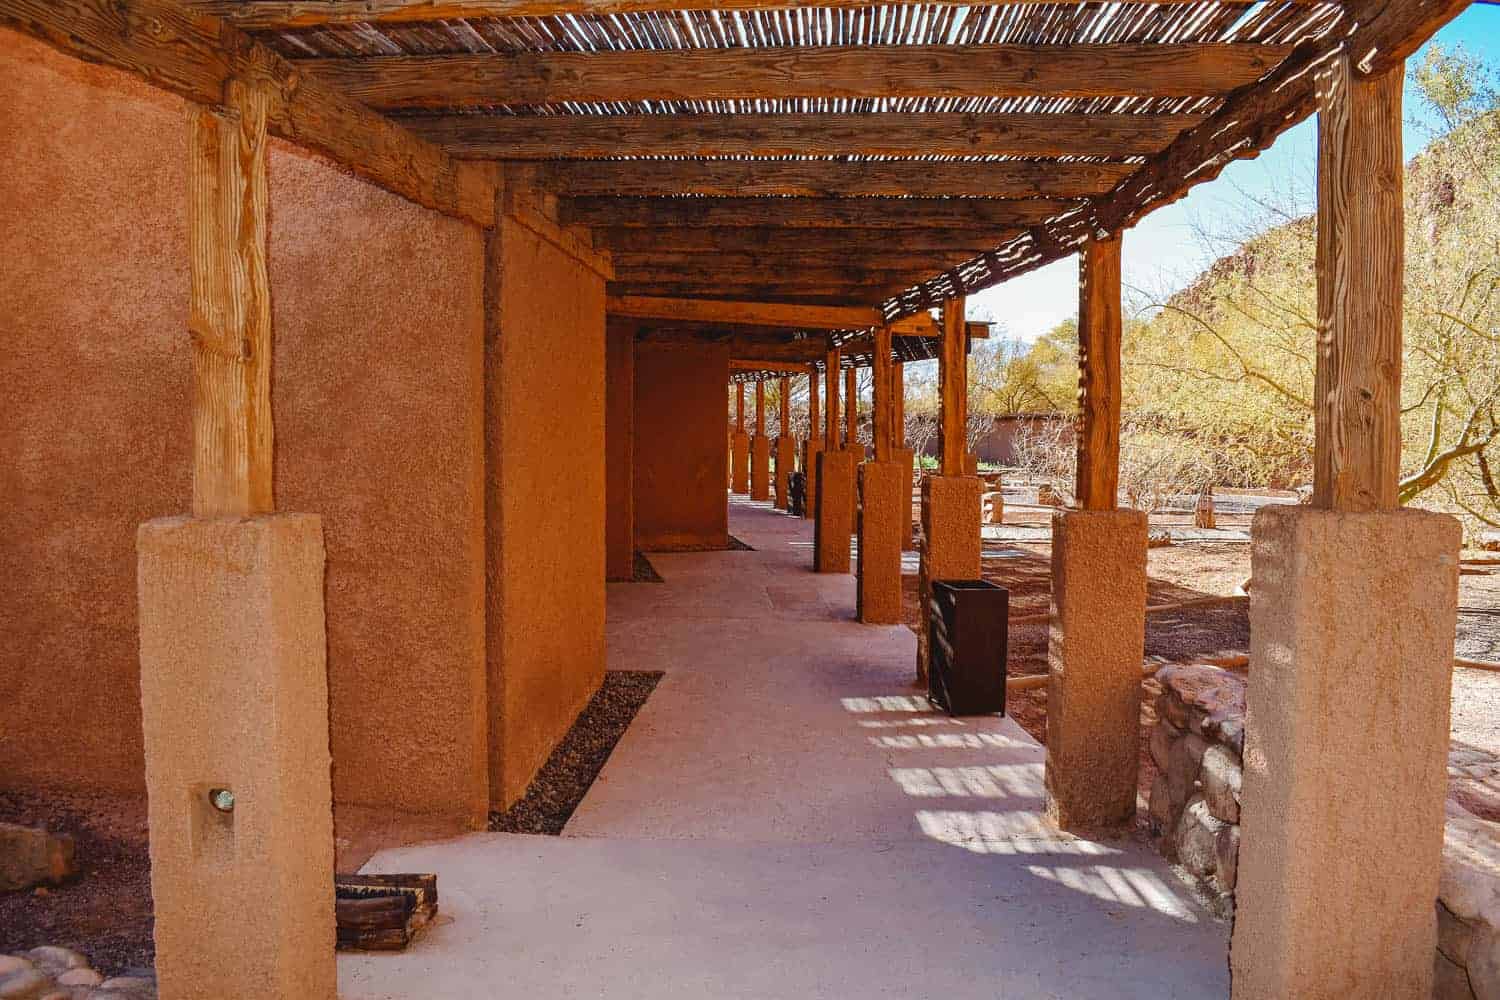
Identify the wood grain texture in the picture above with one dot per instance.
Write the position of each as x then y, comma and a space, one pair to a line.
728, 312
786, 406
830, 178
881, 382
953, 387
851, 408
195, 56
739, 406
898, 405
810, 213
1136, 70
812, 406
278, 14
833, 362
789, 276
229, 313
791, 258
1099, 327
1357, 393
623, 241
515, 137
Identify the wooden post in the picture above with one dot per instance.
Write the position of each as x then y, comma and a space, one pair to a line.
1356, 413
760, 408
739, 407
882, 381
851, 410
812, 405
898, 405
831, 417
953, 387
1099, 374
230, 304
786, 406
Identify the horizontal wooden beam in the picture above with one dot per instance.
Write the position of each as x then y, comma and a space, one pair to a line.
752, 365
789, 276
830, 293
790, 259
195, 56
738, 312
810, 213
1125, 70
270, 15
830, 178
767, 239
554, 137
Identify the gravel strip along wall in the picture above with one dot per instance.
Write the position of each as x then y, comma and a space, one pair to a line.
1197, 745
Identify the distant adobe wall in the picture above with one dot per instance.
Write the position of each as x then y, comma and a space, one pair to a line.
378, 312
680, 459
545, 495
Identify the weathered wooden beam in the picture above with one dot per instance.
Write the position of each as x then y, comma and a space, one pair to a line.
273, 15
898, 404
851, 243
1357, 398
832, 363
195, 56
229, 317
786, 407
730, 313
552, 137
953, 388
791, 258
790, 277
830, 178
752, 364
851, 408
811, 213
739, 408
1099, 320
1125, 70
831, 294
881, 382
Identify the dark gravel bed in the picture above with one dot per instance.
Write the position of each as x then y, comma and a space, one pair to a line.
564, 780
643, 572
104, 912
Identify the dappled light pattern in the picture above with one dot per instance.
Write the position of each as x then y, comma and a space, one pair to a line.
1000, 781
988, 832
1136, 887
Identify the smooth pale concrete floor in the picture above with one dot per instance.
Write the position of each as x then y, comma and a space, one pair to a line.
786, 818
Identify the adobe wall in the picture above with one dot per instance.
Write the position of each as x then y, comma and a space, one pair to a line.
619, 446
680, 460
378, 313
545, 493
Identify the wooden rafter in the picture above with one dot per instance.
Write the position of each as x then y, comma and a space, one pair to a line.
279, 14
789, 258
747, 313
529, 137
810, 213
852, 243
1138, 70
829, 178
195, 56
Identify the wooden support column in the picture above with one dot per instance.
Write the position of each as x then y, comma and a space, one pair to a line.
812, 403
882, 380
953, 387
1099, 374
760, 409
851, 411
812, 445
760, 449
739, 407
230, 304
1352, 618
786, 448
739, 451
786, 406
831, 410
898, 404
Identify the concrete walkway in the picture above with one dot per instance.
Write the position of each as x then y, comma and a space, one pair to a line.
786, 818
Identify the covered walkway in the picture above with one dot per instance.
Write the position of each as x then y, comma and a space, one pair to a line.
786, 818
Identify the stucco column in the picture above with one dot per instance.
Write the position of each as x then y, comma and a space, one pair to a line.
760, 467
234, 697
1094, 651
906, 459
878, 583
835, 515
786, 450
811, 449
740, 462
950, 543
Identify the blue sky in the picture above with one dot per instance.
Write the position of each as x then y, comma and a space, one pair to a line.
1165, 250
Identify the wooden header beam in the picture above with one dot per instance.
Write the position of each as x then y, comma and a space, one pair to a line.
196, 56
549, 137
792, 317
829, 178
1049, 71
810, 213
624, 241
271, 15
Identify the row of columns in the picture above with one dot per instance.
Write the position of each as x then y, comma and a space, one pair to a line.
750, 470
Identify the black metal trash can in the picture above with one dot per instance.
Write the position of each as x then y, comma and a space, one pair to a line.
967, 645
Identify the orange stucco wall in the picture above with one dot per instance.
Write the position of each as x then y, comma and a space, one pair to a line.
619, 447
680, 460
378, 312
545, 496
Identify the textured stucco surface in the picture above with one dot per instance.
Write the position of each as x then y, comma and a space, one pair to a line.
878, 571
786, 450
760, 468
377, 306
950, 543
1095, 646
835, 521
545, 494
811, 448
1352, 619
680, 463
619, 444
235, 696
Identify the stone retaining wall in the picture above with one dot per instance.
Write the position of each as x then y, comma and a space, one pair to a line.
1197, 743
